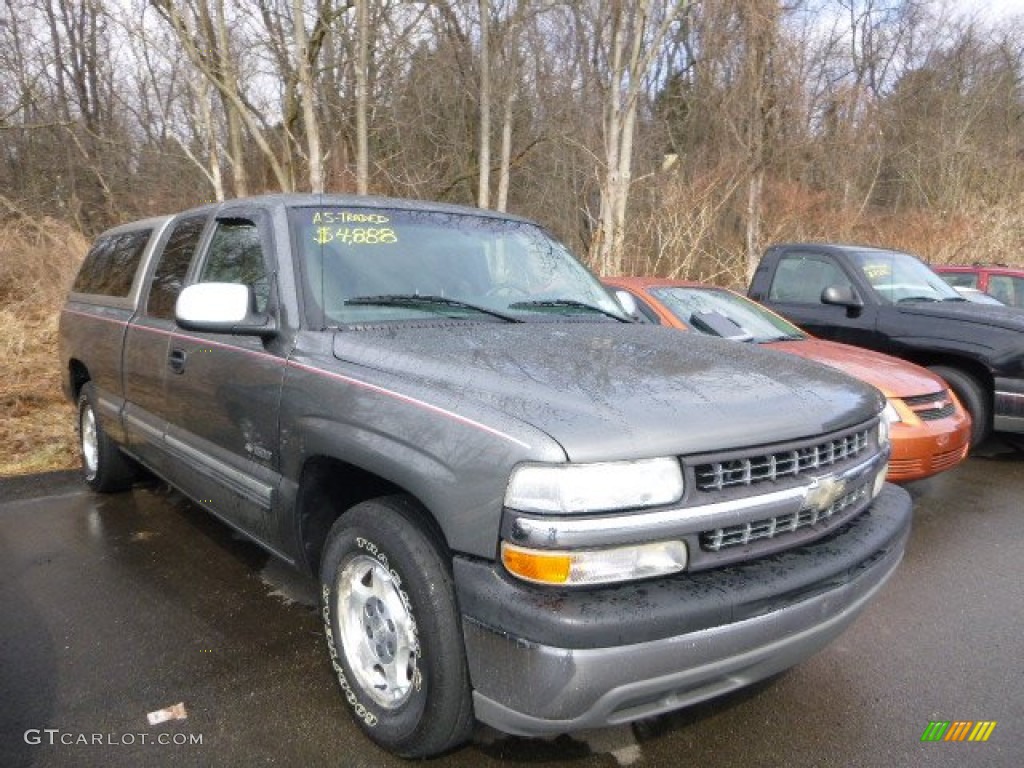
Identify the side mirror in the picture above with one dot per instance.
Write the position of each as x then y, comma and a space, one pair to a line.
842, 296
222, 308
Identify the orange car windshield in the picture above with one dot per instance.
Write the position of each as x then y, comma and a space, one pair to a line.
703, 309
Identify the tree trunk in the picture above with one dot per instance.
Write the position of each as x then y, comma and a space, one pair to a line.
362, 99
753, 238
505, 169
484, 183
236, 149
308, 97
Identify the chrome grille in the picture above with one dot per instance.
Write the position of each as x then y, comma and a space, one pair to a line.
740, 535
718, 475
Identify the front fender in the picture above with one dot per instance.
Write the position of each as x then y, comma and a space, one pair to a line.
454, 462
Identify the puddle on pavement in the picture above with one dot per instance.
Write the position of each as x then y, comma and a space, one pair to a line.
618, 741
287, 584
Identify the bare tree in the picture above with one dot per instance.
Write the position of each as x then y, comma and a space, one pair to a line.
484, 182
304, 64
202, 32
511, 66
631, 35
362, 98
759, 21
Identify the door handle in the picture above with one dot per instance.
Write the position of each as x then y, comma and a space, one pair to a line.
176, 360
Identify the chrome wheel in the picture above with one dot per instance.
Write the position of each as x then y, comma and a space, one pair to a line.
378, 632
90, 444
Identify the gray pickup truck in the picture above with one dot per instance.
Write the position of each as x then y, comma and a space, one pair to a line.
521, 506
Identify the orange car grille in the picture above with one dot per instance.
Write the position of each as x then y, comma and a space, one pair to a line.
931, 407
948, 459
940, 461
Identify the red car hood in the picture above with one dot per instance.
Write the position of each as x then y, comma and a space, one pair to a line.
896, 378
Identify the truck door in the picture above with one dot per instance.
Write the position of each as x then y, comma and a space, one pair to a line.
795, 293
223, 391
146, 345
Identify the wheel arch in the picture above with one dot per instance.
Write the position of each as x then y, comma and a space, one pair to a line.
328, 487
977, 370
78, 375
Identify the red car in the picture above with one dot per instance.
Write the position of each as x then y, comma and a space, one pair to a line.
930, 430
1000, 282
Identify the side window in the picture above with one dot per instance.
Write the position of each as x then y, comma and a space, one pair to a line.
173, 266
236, 256
109, 267
1009, 290
960, 279
801, 278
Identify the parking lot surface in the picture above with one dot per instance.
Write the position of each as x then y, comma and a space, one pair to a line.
114, 607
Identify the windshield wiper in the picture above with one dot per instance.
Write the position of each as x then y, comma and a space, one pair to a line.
571, 304
916, 298
415, 299
954, 298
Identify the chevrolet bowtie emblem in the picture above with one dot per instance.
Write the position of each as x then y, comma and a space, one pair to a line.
824, 492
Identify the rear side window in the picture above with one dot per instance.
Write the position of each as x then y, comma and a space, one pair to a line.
109, 267
960, 279
1009, 290
173, 266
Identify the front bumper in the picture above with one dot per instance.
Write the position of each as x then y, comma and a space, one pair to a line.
552, 661
928, 447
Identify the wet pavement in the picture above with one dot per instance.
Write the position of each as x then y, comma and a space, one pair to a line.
114, 607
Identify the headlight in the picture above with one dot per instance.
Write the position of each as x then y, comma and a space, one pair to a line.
594, 566
569, 488
889, 417
890, 412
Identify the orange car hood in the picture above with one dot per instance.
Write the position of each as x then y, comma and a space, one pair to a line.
896, 378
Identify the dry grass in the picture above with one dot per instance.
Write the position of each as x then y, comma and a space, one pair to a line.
38, 259
692, 228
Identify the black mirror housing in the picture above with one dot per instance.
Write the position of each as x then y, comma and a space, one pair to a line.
842, 296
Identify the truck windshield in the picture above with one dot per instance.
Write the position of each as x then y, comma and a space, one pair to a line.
753, 321
369, 265
899, 277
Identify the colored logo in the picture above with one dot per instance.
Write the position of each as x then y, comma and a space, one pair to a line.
958, 730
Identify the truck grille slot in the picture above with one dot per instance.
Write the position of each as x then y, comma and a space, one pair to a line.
740, 535
931, 407
717, 475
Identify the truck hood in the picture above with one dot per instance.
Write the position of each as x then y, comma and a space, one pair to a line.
896, 378
1009, 318
610, 391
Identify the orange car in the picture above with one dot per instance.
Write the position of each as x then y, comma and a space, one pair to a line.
930, 429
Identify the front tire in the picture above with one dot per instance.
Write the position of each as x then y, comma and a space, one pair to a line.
105, 468
973, 397
393, 629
